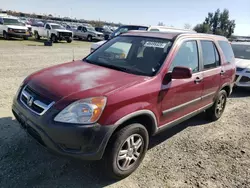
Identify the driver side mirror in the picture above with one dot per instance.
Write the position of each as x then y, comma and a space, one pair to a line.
1, 23
181, 73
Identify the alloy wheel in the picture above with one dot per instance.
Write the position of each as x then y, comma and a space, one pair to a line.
130, 152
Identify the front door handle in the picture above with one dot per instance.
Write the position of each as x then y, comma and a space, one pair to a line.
198, 80
222, 72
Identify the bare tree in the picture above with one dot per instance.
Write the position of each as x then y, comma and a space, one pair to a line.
187, 26
161, 24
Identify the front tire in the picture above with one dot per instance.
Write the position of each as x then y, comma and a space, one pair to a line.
126, 151
69, 40
37, 37
89, 38
5, 35
54, 39
215, 112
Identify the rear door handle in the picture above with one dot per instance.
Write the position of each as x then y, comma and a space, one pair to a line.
222, 72
198, 80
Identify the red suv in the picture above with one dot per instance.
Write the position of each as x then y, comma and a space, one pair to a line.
133, 87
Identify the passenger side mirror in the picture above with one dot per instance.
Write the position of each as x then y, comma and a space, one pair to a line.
181, 73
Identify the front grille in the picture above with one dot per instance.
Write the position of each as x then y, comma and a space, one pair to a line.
245, 79
238, 69
65, 34
19, 31
34, 101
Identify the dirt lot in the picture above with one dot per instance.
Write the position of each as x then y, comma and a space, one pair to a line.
194, 154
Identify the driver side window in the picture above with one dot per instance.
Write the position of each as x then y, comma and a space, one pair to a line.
187, 56
48, 26
84, 29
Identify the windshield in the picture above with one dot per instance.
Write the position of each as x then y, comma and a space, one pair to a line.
57, 27
241, 51
136, 55
9, 21
90, 28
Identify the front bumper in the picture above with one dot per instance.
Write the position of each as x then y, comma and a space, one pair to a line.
242, 79
86, 142
18, 35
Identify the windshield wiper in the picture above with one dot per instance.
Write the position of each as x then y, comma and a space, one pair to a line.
119, 68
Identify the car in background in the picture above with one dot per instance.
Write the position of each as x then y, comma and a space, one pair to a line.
12, 27
106, 32
108, 106
169, 29
53, 32
120, 30
88, 33
242, 55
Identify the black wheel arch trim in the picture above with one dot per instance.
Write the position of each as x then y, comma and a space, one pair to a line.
149, 113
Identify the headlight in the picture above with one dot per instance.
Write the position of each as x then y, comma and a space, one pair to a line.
10, 30
84, 111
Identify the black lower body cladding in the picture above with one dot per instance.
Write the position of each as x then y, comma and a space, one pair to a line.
87, 142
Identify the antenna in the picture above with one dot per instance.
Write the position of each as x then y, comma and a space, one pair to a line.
73, 50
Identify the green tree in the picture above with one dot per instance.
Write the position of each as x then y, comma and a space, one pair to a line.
202, 28
217, 23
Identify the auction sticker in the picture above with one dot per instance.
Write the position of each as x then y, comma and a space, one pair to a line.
155, 44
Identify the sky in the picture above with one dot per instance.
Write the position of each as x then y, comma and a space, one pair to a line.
146, 12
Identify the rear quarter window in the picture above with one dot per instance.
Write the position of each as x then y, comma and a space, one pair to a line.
227, 51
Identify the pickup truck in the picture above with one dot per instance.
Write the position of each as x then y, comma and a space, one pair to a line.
11, 27
52, 31
89, 33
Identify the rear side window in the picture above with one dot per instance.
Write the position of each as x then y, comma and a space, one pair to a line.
227, 50
210, 55
79, 28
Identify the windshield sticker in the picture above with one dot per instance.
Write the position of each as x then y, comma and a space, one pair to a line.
155, 44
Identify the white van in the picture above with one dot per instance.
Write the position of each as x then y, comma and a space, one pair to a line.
170, 29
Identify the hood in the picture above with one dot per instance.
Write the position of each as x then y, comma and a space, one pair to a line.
242, 63
16, 27
77, 80
96, 32
97, 44
63, 30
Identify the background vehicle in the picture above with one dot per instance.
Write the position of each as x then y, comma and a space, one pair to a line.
88, 33
117, 32
11, 27
80, 109
169, 29
242, 54
52, 31
126, 28
106, 32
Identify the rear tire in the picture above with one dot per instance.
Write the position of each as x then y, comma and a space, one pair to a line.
5, 35
125, 151
215, 112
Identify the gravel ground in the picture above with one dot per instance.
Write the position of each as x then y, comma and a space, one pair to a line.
194, 154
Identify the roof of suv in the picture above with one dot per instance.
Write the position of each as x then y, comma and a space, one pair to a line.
172, 35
